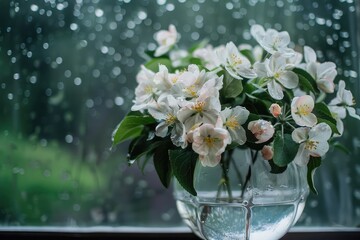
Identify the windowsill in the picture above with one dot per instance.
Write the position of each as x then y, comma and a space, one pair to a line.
100, 232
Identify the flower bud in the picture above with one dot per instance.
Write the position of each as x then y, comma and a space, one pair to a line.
262, 130
267, 152
275, 110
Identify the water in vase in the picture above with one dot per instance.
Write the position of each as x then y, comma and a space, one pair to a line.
239, 220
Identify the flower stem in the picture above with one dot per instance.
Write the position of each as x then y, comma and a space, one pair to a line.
248, 175
225, 162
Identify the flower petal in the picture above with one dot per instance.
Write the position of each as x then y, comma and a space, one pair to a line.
352, 113
320, 150
309, 54
275, 90
321, 132
300, 135
238, 135
288, 79
302, 156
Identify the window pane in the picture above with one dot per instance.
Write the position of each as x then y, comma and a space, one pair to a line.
68, 76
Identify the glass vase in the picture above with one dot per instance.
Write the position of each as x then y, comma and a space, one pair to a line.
243, 200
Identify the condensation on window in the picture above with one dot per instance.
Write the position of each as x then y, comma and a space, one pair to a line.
68, 76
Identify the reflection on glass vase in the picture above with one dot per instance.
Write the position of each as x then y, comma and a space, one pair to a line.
243, 200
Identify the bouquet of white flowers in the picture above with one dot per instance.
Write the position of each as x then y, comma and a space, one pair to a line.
198, 104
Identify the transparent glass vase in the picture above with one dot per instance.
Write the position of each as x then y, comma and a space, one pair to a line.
247, 202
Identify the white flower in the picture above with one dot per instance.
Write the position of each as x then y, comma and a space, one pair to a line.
262, 130
233, 119
205, 109
301, 111
237, 65
313, 142
344, 100
271, 40
267, 152
209, 56
276, 70
338, 113
275, 110
323, 73
309, 54
210, 142
162, 78
165, 111
166, 40
177, 56
190, 82
146, 90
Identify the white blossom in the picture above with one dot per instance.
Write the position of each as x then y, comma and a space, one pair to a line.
146, 91
342, 103
313, 142
344, 99
271, 40
204, 109
190, 82
177, 56
165, 111
233, 120
323, 73
210, 142
166, 40
237, 65
276, 71
210, 56
301, 111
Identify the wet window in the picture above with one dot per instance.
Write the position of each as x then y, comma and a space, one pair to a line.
67, 77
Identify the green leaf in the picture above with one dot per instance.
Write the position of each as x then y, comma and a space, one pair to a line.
131, 127
248, 54
323, 114
196, 61
198, 45
141, 146
285, 149
150, 53
313, 163
306, 80
183, 163
232, 87
162, 163
275, 168
153, 64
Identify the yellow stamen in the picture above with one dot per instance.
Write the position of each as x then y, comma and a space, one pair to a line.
303, 110
191, 91
170, 119
148, 89
198, 107
174, 79
232, 123
311, 145
209, 141
277, 75
236, 59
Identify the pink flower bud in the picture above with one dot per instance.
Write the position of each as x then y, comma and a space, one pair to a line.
267, 152
262, 130
275, 110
